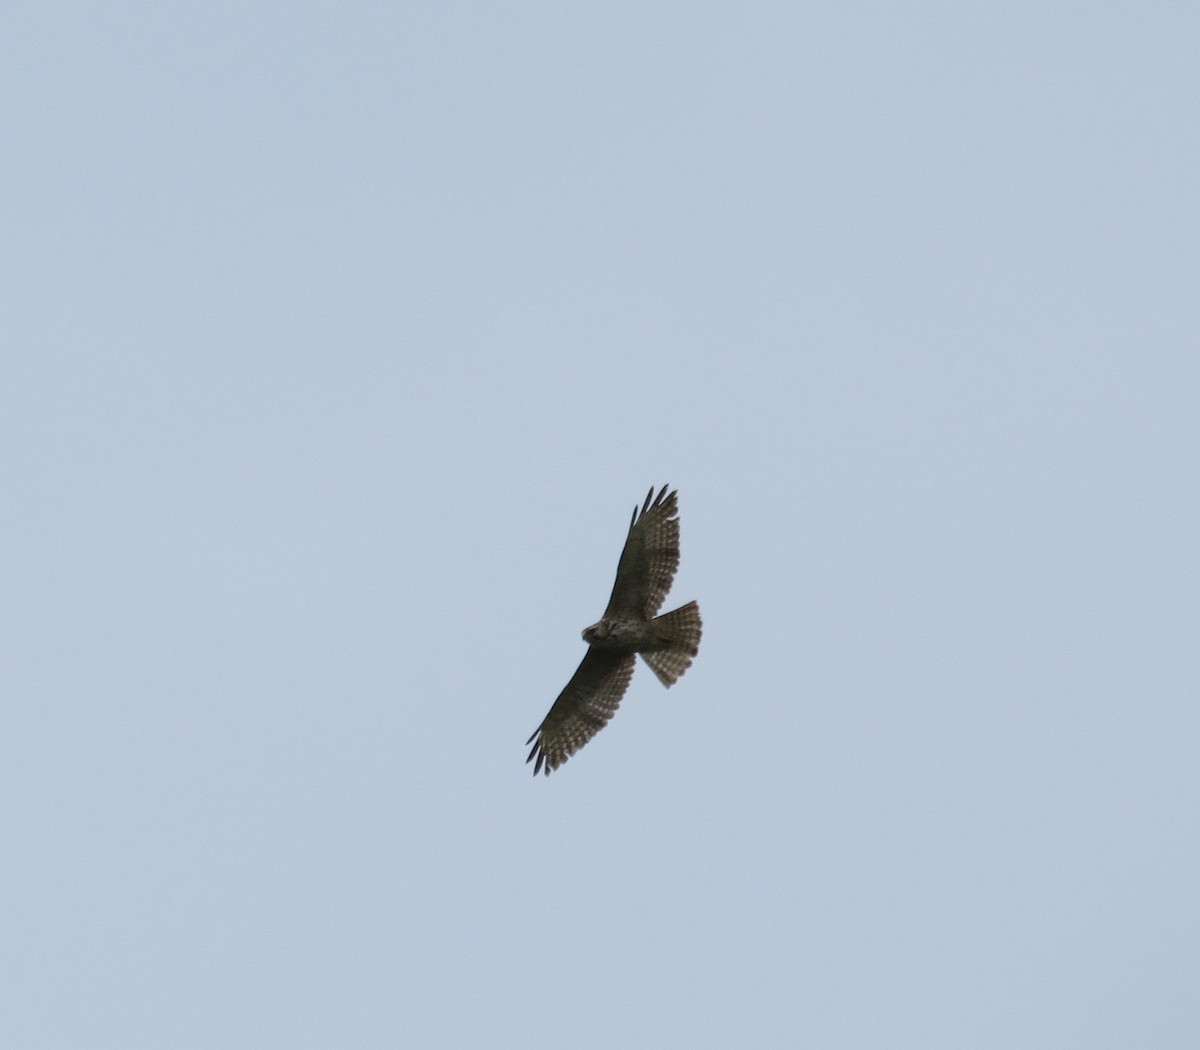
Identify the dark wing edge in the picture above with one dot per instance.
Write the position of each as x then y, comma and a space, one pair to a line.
582, 709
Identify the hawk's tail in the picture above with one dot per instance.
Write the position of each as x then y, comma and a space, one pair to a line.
680, 630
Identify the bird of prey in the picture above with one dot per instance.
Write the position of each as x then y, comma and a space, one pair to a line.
629, 626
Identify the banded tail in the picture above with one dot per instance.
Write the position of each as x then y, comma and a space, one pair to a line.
680, 631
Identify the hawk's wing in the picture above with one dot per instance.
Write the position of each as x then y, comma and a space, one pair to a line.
582, 709
649, 560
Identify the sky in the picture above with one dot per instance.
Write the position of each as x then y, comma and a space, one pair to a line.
341, 341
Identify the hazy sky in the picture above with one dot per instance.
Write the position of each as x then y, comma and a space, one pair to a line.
339, 343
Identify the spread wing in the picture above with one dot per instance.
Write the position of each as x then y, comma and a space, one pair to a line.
649, 560
582, 709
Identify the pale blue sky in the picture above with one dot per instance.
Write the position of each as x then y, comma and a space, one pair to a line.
340, 343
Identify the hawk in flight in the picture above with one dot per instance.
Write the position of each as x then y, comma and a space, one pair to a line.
629, 626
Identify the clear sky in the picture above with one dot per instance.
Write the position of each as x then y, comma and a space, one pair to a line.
339, 342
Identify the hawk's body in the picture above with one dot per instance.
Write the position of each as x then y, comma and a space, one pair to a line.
629, 626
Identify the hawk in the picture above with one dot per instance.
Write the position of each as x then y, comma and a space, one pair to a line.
629, 626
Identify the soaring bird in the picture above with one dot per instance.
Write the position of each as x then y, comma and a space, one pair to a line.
629, 626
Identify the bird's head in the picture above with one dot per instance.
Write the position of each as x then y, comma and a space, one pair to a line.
596, 632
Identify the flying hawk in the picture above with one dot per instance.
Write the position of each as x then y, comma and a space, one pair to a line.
629, 626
